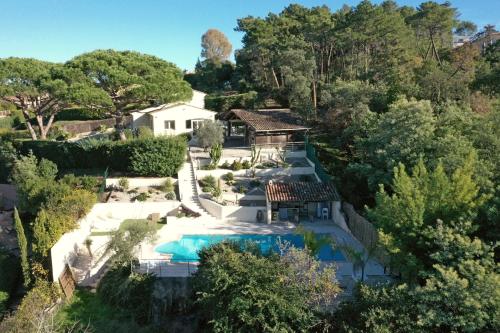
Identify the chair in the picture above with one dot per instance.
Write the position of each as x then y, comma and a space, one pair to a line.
324, 213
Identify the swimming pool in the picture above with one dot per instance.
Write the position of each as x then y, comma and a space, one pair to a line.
188, 246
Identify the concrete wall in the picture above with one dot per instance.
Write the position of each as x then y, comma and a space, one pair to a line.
179, 114
103, 217
140, 181
198, 99
259, 172
240, 213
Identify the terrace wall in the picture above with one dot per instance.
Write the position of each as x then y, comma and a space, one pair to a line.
140, 181
103, 217
240, 213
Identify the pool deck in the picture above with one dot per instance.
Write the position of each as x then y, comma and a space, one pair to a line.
159, 264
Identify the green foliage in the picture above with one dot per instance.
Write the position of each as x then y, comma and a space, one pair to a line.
210, 133
144, 132
223, 103
407, 218
138, 78
41, 89
168, 185
215, 154
8, 155
160, 157
9, 278
246, 164
312, 242
236, 165
23, 249
211, 76
123, 183
128, 291
82, 114
142, 197
231, 281
125, 240
32, 314
93, 310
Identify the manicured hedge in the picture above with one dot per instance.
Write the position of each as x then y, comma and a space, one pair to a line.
162, 156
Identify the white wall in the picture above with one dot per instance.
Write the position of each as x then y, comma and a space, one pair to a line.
103, 217
179, 114
259, 172
239, 213
140, 181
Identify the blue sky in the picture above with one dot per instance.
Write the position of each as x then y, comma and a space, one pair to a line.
57, 30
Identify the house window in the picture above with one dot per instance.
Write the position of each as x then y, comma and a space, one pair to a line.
197, 124
170, 124
188, 124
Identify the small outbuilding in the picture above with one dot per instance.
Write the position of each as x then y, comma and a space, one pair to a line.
300, 201
271, 127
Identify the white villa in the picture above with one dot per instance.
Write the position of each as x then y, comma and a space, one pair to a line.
174, 118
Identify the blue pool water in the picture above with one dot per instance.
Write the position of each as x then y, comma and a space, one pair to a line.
188, 246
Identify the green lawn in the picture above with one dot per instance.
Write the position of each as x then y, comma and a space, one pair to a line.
128, 222
87, 309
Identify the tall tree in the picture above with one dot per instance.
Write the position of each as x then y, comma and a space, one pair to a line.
23, 249
215, 46
131, 79
42, 89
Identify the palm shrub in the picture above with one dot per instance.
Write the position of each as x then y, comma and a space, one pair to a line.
236, 166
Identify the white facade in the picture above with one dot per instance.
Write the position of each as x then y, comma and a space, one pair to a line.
174, 118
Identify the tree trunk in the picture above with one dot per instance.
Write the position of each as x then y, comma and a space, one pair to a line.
44, 129
28, 125
275, 78
120, 128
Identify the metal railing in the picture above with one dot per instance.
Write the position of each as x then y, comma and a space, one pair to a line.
167, 267
289, 146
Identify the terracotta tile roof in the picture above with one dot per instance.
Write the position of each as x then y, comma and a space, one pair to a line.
268, 119
301, 191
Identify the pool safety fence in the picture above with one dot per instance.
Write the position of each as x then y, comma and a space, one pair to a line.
167, 267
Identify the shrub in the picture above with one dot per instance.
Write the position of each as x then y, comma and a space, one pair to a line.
210, 134
242, 189
170, 195
81, 114
216, 192
246, 164
229, 178
168, 186
142, 197
236, 165
89, 183
9, 278
254, 183
226, 165
129, 291
160, 157
8, 155
207, 189
208, 181
123, 183
144, 132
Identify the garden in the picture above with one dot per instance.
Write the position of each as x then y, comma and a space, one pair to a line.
124, 192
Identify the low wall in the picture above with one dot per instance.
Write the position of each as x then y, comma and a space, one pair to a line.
140, 181
240, 213
103, 217
258, 172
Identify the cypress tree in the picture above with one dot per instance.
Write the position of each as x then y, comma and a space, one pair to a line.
23, 249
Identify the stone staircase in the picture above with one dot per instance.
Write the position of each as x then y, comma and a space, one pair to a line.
188, 190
